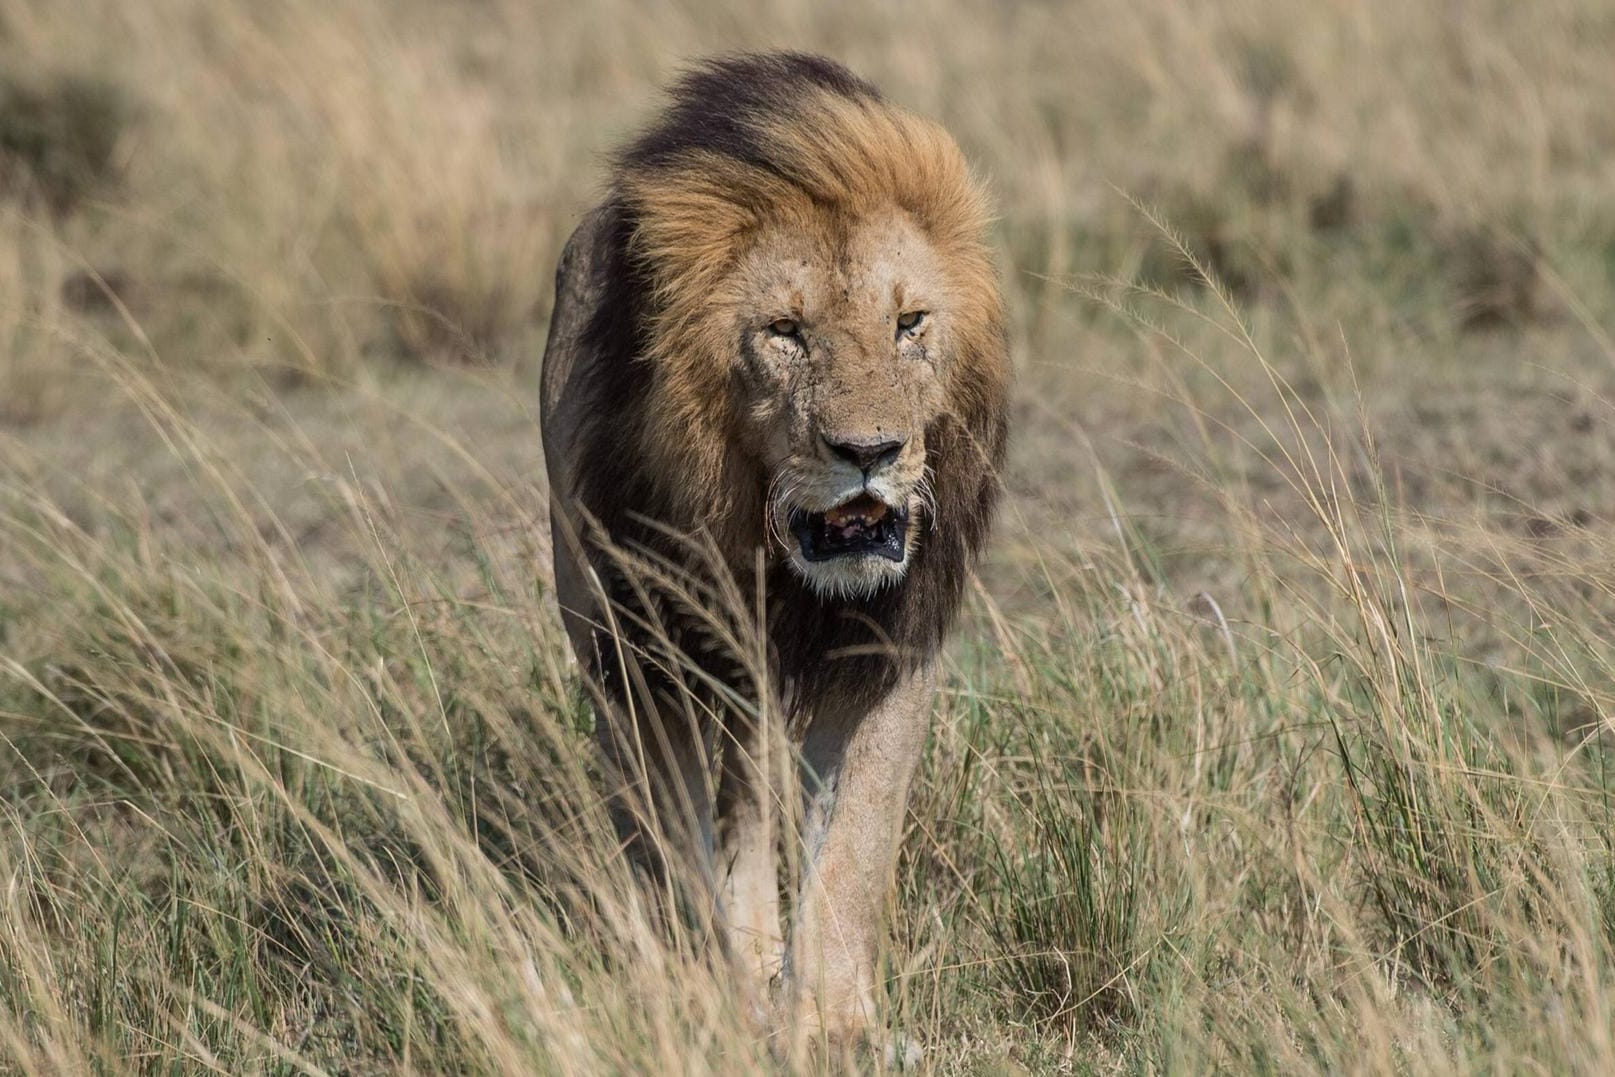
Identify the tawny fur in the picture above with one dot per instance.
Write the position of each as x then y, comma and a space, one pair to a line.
678, 435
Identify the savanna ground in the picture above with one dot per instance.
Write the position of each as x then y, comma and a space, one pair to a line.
1277, 736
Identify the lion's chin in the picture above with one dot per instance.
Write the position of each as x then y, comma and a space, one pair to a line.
848, 576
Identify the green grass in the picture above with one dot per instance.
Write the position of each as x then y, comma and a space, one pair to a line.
1276, 736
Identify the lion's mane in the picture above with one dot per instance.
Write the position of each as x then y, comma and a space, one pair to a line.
744, 142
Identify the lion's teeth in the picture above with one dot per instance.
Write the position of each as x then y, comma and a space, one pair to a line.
860, 511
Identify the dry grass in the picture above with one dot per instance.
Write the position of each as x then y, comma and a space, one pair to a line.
1276, 740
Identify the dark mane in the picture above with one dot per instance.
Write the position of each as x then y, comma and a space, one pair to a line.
722, 106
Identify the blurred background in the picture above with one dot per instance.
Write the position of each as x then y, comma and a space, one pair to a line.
1274, 736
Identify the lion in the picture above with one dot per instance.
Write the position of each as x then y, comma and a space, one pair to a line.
777, 369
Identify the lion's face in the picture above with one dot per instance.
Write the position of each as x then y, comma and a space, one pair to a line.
842, 334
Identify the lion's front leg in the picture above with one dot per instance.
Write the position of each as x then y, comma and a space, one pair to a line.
747, 808
858, 773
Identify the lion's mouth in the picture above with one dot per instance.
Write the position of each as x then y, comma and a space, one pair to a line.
864, 526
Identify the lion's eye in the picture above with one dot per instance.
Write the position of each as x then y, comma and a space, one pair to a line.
909, 322
784, 327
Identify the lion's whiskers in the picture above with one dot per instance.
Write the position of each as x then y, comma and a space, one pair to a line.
925, 490
776, 505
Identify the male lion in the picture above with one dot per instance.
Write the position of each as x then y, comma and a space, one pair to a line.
775, 380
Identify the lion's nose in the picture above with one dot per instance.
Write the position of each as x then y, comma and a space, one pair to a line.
866, 454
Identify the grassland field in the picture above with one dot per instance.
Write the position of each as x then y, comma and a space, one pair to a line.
1277, 736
